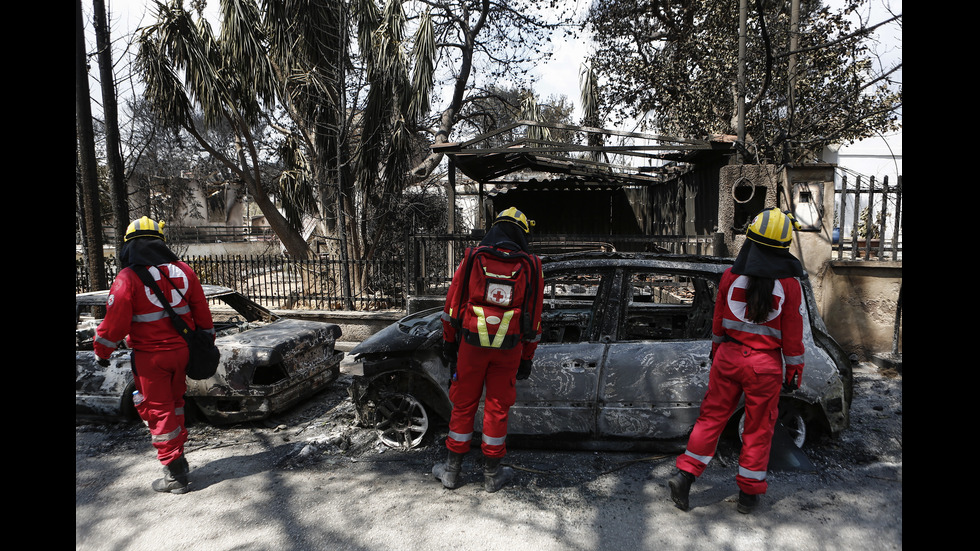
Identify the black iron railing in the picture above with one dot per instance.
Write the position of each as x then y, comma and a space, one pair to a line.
279, 282
868, 220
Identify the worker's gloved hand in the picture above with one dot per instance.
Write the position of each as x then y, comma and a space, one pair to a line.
449, 352
524, 370
104, 362
793, 377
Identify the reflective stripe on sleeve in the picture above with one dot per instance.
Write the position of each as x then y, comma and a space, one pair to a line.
793, 360
105, 342
448, 318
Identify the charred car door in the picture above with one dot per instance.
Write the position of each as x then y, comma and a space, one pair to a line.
559, 398
656, 370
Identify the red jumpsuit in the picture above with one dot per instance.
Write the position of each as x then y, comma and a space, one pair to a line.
159, 353
748, 358
492, 364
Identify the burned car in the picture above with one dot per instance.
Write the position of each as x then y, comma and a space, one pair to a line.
623, 361
268, 363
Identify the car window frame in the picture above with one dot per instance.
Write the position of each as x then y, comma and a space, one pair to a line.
703, 299
599, 325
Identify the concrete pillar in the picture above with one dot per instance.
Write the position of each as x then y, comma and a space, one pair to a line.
744, 191
810, 193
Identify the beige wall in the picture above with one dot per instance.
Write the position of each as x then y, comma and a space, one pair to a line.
859, 306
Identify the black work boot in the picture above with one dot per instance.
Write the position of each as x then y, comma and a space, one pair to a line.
174, 477
448, 472
680, 489
495, 476
747, 502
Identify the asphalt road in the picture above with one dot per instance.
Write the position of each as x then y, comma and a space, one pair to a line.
313, 481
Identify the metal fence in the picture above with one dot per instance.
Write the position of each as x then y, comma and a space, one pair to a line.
868, 220
283, 283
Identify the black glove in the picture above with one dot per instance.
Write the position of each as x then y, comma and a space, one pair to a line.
449, 352
524, 370
792, 381
104, 362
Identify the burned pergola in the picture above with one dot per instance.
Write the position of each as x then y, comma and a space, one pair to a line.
601, 164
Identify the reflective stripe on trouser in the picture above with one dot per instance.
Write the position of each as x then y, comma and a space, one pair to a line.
496, 371
737, 369
161, 379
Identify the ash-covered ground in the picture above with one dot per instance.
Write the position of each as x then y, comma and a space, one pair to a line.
309, 477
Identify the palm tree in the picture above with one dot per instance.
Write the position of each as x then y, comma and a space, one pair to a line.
230, 78
398, 95
589, 89
288, 59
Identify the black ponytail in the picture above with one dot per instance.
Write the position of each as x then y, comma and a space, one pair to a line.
758, 299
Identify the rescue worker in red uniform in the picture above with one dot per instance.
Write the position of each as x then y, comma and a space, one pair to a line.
159, 353
757, 328
491, 329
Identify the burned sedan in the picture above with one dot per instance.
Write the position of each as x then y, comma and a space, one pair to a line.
268, 363
623, 361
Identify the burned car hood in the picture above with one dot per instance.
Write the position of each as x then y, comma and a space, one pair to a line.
286, 339
268, 363
246, 358
413, 332
275, 335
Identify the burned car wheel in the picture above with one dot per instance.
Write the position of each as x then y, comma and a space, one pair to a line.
402, 420
790, 418
794, 423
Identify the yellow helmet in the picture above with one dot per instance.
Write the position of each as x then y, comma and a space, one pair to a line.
144, 227
515, 216
773, 228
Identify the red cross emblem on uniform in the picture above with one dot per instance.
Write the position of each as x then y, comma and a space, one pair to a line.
737, 298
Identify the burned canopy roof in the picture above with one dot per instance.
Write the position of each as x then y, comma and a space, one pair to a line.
590, 155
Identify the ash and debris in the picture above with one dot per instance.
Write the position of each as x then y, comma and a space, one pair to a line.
322, 433
875, 432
